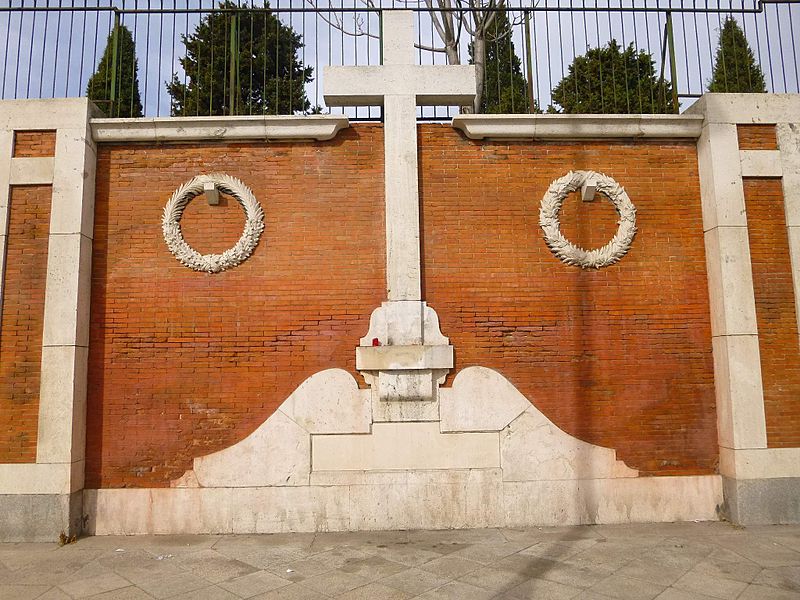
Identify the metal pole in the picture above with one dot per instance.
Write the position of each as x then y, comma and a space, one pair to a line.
529, 69
114, 47
673, 71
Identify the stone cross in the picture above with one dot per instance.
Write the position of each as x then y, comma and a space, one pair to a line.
404, 357
399, 85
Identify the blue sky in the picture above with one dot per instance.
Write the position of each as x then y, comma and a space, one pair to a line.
52, 54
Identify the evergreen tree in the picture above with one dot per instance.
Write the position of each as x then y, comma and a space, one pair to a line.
611, 80
505, 90
735, 68
127, 102
267, 75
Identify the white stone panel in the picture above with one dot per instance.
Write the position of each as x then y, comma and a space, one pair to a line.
430, 500
217, 511
330, 402
118, 511
32, 478
730, 282
721, 190
73, 183
6, 147
761, 163
31, 171
636, 500
759, 463
533, 448
740, 396
47, 113
480, 400
788, 135
62, 404
405, 446
578, 126
384, 410
794, 252
277, 453
68, 291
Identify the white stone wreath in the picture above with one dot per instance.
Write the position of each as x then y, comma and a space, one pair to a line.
212, 263
571, 254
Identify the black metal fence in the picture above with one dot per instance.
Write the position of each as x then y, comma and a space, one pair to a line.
234, 57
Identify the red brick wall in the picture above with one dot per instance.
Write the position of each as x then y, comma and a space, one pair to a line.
21, 323
619, 357
757, 137
34, 143
775, 310
182, 363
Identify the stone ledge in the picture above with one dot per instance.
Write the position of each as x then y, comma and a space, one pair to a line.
747, 108
569, 127
186, 129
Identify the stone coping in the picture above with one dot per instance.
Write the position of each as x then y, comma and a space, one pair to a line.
568, 127
184, 129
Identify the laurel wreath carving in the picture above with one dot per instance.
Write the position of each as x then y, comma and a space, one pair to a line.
212, 263
566, 251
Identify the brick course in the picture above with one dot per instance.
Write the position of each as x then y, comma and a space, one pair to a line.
757, 137
32, 144
775, 310
21, 323
619, 357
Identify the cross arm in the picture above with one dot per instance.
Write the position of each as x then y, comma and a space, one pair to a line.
445, 85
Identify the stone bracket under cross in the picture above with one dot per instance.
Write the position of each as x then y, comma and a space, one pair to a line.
406, 360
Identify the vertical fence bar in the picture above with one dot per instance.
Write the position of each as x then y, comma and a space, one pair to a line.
232, 67
529, 65
114, 48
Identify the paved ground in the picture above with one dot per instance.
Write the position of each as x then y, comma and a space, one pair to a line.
669, 562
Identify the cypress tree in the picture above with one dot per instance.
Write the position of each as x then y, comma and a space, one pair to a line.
505, 90
267, 75
735, 68
611, 80
127, 102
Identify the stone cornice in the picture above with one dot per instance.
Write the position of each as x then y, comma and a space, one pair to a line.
187, 129
574, 127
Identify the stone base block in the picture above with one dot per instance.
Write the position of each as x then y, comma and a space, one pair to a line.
762, 501
378, 500
40, 517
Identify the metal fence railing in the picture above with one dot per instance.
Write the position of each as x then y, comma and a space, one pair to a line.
194, 57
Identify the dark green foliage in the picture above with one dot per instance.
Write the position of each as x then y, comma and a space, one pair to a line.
735, 69
610, 80
127, 102
505, 90
267, 75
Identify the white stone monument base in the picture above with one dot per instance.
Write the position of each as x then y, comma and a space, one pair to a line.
321, 463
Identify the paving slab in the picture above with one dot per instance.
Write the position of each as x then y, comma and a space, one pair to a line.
681, 561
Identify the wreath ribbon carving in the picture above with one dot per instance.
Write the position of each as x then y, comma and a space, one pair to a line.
568, 252
212, 263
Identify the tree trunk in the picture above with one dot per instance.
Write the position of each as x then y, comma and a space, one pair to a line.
479, 60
